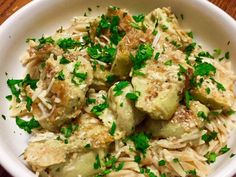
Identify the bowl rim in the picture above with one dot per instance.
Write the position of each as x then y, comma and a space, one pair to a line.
5, 158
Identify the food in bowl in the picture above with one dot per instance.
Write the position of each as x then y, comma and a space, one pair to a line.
123, 95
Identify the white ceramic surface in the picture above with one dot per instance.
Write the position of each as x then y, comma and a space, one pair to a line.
212, 27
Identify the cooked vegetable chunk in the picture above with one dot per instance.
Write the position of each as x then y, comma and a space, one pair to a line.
183, 121
43, 149
61, 94
160, 89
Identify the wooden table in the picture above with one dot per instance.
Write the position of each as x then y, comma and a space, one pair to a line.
8, 7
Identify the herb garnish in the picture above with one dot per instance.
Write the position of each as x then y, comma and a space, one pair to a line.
27, 125
119, 86
113, 129
141, 142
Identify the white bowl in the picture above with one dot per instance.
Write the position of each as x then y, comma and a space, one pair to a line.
211, 26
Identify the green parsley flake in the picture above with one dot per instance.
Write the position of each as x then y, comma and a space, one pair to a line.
205, 54
113, 129
144, 52
28, 103
162, 163
182, 71
202, 115
9, 97
168, 63
67, 131
176, 160
27, 125
207, 137
139, 18
3, 117
189, 49
190, 34
87, 146
60, 75
132, 96
90, 101
68, 43
230, 112
111, 78
232, 155
98, 109
137, 158
119, 86
218, 85
188, 97
141, 142
227, 55
217, 52
157, 55
105, 54
204, 69
64, 61
97, 163
192, 172
211, 157
208, 90
174, 43
164, 27
224, 149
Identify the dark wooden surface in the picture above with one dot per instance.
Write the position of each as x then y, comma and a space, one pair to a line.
8, 7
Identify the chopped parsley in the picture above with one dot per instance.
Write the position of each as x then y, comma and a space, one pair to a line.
27, 125
182, 16
90, 101
230, 112
64, 61
28, 103
217, 52
67, 131
113, 129
204, 69
43, 40
224, 149
168, 63
67, 43
137, 158
208, 90
87, 146
211, 157
97, 163
98, 109
31, 82
188, 97
162, 163
189, 49
207, 137
205, 54
218, 85
174, 43
157, 55
60, 75
119, 86
164, 27
232, 155
9, 97
190, 34
141, 142
111, 78
182, 71
139, 18
202, 115
132, 96
144, 52
176, 160
192, 172
14, 87
105, 54
227, 55
3, 117
78, 77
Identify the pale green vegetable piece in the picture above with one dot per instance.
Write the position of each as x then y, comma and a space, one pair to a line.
81, 165
160, 90
183, 121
